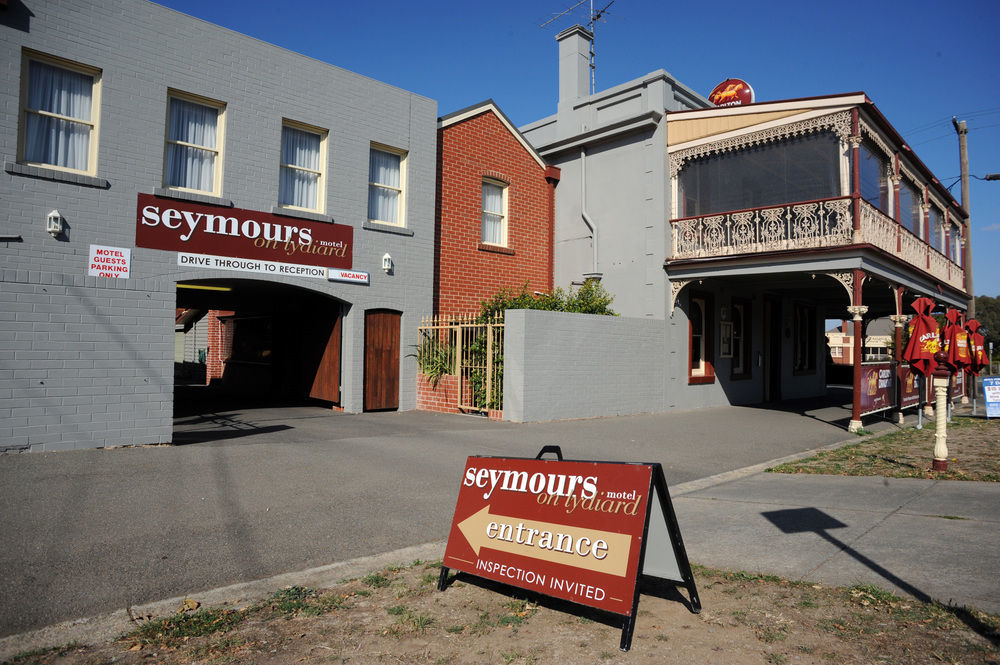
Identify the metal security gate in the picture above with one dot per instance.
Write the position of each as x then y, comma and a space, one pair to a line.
469, 348
480, 365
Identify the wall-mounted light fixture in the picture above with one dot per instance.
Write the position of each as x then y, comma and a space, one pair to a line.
54, 224
387, 263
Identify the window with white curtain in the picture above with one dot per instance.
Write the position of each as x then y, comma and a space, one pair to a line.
386, 179
194, 143
303, 157
494, 217
60, 110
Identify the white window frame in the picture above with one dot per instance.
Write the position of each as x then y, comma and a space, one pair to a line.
401, 190
503, 214
28, 56
220, 140
321, 180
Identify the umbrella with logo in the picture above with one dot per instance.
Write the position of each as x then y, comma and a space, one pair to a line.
924, 337
956, 341
977, 354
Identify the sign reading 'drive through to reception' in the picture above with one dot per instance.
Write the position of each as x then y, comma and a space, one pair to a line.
579, 531
233, 233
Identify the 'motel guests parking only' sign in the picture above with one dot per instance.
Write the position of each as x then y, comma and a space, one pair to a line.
572, 530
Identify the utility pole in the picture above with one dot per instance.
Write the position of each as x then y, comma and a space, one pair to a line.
963, 154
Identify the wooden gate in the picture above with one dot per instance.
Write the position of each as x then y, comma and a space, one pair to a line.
381, 360
480, 365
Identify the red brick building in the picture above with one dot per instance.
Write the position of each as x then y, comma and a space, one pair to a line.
495, 207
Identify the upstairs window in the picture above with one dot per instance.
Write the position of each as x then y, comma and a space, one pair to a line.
59, 108
194, 144
955, 244
795, 169
303, 156
936, 229
874, 184
386, 179
910, 217
494, 216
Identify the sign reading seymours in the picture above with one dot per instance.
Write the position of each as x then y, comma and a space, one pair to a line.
234, 234
579, 531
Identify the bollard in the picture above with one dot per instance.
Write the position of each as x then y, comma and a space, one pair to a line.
941, 375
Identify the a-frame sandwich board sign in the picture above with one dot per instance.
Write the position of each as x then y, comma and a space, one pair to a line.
581, 531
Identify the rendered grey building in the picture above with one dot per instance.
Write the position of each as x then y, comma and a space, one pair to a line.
735, 230
130, 119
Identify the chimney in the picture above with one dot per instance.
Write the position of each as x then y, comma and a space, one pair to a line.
574, 65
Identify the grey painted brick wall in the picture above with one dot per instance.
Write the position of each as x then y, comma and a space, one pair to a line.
87, 362
560, 365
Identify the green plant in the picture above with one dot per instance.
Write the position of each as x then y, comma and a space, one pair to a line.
375, 580
435, 358
196, 624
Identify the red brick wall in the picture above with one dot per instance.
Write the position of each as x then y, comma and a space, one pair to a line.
218, 347
466, 273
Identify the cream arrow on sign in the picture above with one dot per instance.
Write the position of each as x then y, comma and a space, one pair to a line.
590, 549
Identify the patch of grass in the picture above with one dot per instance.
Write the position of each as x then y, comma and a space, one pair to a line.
376, 580
397, 610
197, 624
218, 647
973, 450
30, 656
455, 630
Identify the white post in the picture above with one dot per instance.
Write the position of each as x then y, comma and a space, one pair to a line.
941, 424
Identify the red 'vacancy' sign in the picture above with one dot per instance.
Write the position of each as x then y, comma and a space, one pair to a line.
577, 530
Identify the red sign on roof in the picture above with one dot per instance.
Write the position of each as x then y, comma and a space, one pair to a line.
732, 92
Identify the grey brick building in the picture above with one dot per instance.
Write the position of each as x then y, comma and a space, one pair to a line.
122, 118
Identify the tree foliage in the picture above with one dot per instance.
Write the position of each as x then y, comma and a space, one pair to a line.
988, 314
591, 298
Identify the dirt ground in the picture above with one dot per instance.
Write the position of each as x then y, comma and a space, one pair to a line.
398, 616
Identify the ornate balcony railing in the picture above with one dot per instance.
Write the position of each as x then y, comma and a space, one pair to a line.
807, 225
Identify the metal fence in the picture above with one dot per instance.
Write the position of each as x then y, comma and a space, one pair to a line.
470, 348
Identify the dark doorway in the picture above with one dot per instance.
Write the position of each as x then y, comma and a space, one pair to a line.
772, 349
266, 344
381, 360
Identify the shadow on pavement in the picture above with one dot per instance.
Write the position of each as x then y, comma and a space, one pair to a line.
806, 520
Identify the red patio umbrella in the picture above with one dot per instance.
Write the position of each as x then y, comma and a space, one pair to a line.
956, 341
925, 339
977, 354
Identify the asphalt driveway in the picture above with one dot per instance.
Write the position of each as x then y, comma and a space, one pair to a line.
247, 494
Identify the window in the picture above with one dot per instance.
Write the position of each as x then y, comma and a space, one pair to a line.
802, 168
494, 218
700, 368
804, 352
874, 187
60, 104
386, 180
194, 143
303, 158
936, 230
910, 217
955, 244
741, 340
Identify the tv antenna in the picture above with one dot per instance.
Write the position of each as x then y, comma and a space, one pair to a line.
594, 17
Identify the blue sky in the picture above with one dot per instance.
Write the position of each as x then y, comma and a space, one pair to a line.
921, 62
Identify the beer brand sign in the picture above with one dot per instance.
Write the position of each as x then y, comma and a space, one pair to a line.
732, 92
909, 388
579, 531
878, 388
191, 228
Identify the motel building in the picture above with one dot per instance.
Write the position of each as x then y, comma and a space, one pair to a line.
163, 176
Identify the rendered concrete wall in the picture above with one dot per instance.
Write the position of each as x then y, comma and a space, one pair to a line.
86, 361
559, 365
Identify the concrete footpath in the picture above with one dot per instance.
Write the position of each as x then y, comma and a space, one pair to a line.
99, 534
927, 539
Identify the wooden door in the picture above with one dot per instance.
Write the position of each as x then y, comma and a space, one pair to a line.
381, 360
326, 379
